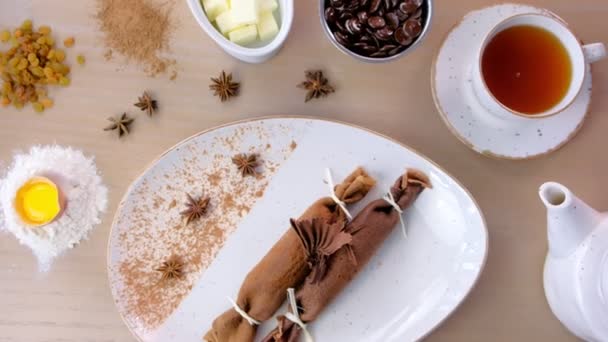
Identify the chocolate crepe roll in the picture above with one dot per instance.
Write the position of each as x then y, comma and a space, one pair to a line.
284, 266
331, 273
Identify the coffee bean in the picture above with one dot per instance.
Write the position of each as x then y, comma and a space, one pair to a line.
365, 47
331, 15
388, 4
374, 6
387, 47
352, 5
378, 54
375, 40
392, 20
384, 33
353, 26
345, 16
403, 7
402, 37
340, 26
362, 16
412, 27
366, 39
402, 15
410, 6
341, 38
337, 4
395, 51
376, 22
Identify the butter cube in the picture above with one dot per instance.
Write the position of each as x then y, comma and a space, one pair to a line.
244, 35
213, 8
244, 12
225, 23
267, 26
267, 5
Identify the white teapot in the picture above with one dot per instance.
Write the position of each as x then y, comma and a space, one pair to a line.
576, 269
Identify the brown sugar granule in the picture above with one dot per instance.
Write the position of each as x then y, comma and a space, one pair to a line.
214, 178
172, 204
137, 29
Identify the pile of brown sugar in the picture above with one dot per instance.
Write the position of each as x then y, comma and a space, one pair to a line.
140, 30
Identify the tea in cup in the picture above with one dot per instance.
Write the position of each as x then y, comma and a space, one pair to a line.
531, 66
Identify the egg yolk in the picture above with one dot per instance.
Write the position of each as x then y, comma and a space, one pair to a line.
37, 201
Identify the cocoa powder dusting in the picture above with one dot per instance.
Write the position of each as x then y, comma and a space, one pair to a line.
151, 230
139, 30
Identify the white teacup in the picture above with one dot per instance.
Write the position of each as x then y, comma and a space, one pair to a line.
580, 56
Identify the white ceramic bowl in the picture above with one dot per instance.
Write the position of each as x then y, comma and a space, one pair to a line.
247, 54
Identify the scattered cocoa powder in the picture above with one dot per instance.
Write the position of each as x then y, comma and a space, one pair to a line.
151, 230
139, 30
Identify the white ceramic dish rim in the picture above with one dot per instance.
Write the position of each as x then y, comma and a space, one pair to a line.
150, 165
286, 9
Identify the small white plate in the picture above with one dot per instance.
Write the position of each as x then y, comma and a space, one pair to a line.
407, 290
469, 121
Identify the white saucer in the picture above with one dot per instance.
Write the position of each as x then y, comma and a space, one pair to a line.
470, 122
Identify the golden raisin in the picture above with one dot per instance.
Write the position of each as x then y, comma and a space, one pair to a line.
69, 42
26, 25
38, 107
45, 30
59, 55
29, 65
5, 35
47, 103
64, 81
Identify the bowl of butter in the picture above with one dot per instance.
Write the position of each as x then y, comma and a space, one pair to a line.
250, 30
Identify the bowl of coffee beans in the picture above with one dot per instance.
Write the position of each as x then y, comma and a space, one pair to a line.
376, 30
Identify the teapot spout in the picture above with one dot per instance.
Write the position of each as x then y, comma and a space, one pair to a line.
569, 220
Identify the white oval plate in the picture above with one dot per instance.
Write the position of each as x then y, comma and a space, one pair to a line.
406, 291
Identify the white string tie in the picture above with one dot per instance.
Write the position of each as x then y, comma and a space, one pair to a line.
294, 316
251, 320
391, 200
332, 194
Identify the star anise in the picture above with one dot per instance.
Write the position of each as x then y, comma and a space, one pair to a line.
195, 208
246, 163
120, 123
171, 269
224, 87
146, 103
316, 85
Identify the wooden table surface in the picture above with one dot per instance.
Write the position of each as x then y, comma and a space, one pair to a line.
73, 302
